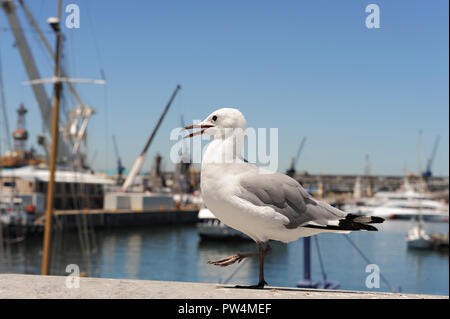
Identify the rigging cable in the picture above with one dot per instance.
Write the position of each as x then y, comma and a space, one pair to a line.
103, 77
368, 261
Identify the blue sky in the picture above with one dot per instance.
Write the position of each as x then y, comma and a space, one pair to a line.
306, 67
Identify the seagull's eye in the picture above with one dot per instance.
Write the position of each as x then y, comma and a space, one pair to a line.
214, 118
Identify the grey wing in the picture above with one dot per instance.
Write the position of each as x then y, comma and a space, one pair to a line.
287, 197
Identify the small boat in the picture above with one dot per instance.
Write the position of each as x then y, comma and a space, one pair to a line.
417, 238
209, 227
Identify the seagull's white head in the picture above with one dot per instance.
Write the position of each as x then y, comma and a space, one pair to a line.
220, 123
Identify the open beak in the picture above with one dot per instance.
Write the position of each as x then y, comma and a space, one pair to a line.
203, 128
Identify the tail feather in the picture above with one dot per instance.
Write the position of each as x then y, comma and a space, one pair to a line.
346, 224
353, 222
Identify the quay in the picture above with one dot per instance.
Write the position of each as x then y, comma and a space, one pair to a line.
125, 217
105, 218
15, 286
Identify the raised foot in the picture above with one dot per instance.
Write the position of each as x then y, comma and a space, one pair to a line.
227, 261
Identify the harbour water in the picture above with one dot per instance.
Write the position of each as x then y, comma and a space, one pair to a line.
176, 253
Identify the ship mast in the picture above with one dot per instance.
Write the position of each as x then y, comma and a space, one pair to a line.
54, 23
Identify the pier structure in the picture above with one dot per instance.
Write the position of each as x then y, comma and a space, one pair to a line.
14, 286
129, 217
343, 185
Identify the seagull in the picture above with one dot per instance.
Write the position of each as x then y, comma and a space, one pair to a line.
262, 204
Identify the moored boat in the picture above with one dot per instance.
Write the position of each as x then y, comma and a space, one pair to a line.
210, 227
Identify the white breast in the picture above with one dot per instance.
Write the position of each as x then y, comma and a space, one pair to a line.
220, 189
219, 194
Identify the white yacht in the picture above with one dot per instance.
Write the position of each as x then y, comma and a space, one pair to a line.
407, 208
406, 203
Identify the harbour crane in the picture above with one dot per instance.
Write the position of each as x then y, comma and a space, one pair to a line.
140, 159
120, 167
3, 102
291, 171
69, 141
427, 174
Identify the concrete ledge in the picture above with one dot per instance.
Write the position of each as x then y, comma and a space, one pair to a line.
54, 287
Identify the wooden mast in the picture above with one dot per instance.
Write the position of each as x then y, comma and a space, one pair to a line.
55, 24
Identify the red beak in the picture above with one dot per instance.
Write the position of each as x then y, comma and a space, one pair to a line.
204, 127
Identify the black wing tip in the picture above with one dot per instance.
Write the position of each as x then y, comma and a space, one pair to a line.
346, 224
344, 227
364, 219
377, 220
368, 227
352, 222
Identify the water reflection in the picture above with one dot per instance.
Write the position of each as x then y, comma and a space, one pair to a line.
108, 250
134, 255
176, 253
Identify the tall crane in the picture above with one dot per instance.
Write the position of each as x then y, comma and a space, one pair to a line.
427, 174
67, 148
291, 171
35, 26
120, 167
33, 73
3, 102
140, 159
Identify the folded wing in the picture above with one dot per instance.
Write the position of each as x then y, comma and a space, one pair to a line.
287, 197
